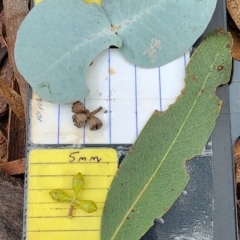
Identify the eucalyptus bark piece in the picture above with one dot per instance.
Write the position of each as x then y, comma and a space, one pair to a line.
236, 151
14, 100
14, 13
236, 44
14, 167
3, 146
233, 7
153, 174
16, 132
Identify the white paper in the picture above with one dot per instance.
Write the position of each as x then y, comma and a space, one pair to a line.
128, 95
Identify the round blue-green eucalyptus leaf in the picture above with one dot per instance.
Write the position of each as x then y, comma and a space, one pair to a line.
56, 43
158, 31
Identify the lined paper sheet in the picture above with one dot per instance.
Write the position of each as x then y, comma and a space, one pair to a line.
128, 95
54, 169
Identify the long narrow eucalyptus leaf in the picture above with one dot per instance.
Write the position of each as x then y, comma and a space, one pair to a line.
153, 174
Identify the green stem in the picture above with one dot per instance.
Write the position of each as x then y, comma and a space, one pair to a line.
72, 205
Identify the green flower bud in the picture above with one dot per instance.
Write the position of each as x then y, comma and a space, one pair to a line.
78, 183
87, 205
60, 196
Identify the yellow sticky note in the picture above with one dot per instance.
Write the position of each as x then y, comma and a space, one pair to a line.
86, 1
99, 2
55, 168
37, 1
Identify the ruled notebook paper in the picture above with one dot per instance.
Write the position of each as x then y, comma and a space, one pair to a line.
54, 169
128, 95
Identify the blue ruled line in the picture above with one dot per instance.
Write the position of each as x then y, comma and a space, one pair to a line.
58, 131
185, 61
136, 102
84, 127
160, 89
109, 97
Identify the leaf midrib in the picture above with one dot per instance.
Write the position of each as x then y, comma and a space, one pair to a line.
166, 154
124, 24
133, 18
75, 48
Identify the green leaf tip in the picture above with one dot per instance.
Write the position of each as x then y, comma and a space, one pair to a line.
59, 195
59, 39
153, 172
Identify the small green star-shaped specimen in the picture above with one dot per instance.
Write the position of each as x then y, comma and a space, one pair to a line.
60, 196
